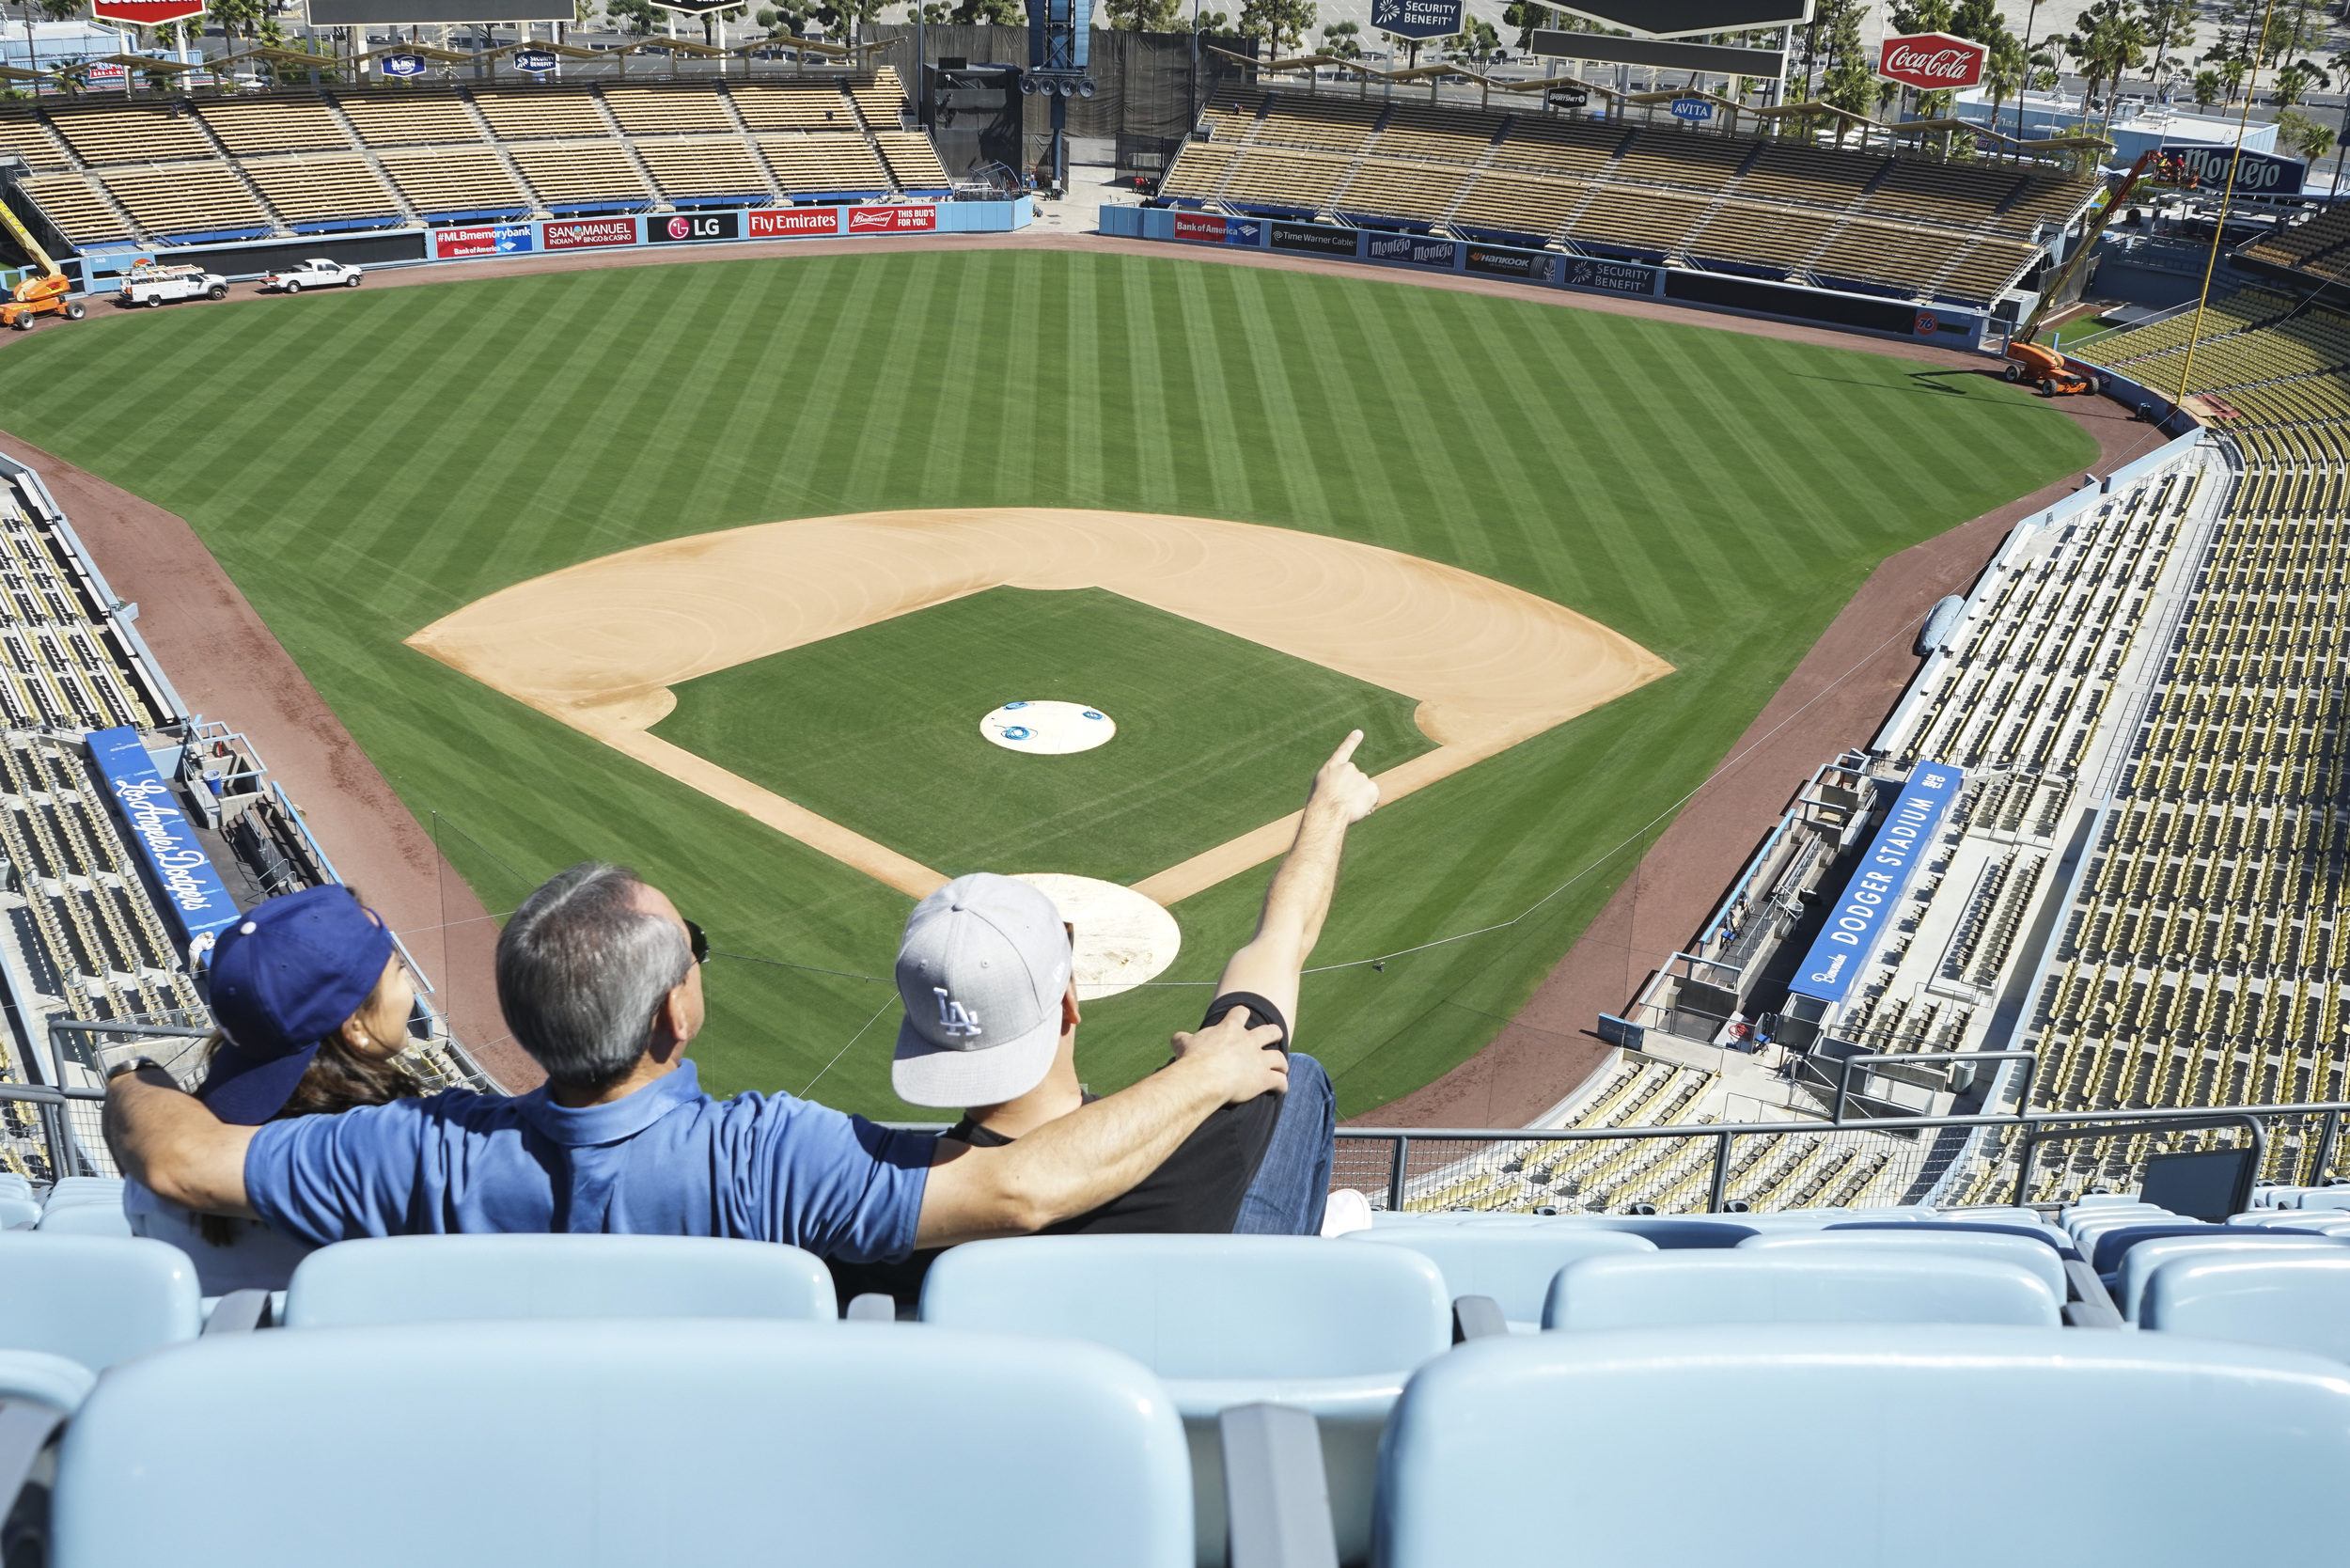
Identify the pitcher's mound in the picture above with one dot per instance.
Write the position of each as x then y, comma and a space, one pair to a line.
1048, 728
1123, 938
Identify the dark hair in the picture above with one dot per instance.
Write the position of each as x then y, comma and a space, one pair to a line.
337, 1079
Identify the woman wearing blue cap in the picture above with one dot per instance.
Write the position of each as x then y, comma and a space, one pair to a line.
312, 1006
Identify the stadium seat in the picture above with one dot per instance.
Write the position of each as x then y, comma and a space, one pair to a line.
1578, 1447
97, 1300
2326, 1197
709, 1442
438, 1278
1512, 1265
2297, 1301
87, 1189
1741, 1286
1329, 1326
2047, 1235
18, 1213
2033, 1256
56, 1381
86, 1216
2107, 1247
14, 1185
2139, 1263
1671, 1233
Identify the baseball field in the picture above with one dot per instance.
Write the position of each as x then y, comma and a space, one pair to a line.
528, 538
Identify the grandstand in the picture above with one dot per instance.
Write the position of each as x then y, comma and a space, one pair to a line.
1904, 226
86, 932
312, 161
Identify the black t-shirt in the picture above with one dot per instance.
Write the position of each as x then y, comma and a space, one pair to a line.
1197, 1191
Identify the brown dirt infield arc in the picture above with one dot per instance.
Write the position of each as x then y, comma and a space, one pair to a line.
228, 665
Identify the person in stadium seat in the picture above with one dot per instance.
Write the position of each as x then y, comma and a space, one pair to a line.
312, 1006
600, 979
991, 1025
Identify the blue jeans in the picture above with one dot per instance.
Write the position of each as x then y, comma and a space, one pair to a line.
1294, 1181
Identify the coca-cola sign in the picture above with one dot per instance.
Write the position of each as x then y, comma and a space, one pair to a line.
1933, 62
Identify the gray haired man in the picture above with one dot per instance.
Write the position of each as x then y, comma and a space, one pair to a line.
601, 981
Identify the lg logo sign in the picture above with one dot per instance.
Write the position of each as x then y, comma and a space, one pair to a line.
695, 226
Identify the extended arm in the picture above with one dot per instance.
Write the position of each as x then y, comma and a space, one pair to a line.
1093, 1154
1299, 899
166, 1140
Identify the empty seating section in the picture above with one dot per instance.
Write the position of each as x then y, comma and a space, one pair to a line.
574, 176
1914, 227
156, 135
668, 111
537, 113
791, 106
2314, 246
29, 138
881, 98
410, 120
913, 161
256, 127
322, 189
190, 201
448, 180
75, 207
703, 166
56, 669
823, 163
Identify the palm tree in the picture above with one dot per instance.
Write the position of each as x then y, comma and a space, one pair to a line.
2208, 88
2294, 81
2003, 73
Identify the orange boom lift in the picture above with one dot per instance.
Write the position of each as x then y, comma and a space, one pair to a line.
44, 295
2044, 368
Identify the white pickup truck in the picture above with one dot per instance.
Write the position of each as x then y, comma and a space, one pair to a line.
317, 273
154, 285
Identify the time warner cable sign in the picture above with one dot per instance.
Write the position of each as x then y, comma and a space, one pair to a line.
1861, 915
191, 889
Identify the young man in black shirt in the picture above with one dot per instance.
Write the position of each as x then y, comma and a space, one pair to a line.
992, 1025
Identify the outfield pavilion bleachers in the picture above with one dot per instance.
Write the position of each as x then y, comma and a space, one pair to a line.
296, 161
2319, 246
1907, 225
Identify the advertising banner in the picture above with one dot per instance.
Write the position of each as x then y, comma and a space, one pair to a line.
1530, 266
793, 223
888, 220
2256, 173
583, 233
1692, 108
159, 829
1416, 19
685, 226
1931, 62
1244, 231
1665, 19
458, 244
146, 13
1865, 912
400, 65
1928, 323
1313, 239
1416, 250
1205, 228
1614, 277
536, 61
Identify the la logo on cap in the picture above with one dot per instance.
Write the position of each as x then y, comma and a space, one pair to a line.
953, 1017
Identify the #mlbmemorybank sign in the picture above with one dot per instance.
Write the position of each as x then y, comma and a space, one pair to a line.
191, 890
1866, 909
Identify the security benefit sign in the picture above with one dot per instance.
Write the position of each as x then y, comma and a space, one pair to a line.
2256, 173
159, 829
1613, 277
1414, 250
1861, 917
1416, 19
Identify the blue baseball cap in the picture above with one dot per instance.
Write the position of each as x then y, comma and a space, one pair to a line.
283, 978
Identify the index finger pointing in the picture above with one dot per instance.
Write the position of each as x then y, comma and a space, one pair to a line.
1346, 747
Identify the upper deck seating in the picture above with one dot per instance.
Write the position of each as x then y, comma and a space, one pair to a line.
22, 134
95, 1300
438, 1278
1225, 1320
1507, 1448
257, 127
409, 119
532, 113
1742, 1286
682, 109
714, 1442
143, 135
451, 181
790, 105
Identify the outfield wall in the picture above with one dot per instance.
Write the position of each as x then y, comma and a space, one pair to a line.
1953, 326
492, 238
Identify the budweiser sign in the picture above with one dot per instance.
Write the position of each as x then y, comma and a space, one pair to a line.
1933, 62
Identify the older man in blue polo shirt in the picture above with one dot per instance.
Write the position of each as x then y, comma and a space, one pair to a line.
600, 979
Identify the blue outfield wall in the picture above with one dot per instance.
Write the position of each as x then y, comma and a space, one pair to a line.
1954, 326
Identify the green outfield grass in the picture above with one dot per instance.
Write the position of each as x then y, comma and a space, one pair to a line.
1214, 732
364, 463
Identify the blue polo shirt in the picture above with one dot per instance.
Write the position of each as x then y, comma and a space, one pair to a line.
665, 1161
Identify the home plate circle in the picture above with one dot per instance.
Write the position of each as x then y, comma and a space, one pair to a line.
1048, 728
1122, 937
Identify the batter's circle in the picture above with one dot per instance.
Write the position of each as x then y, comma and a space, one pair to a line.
1122, 937
1048, 728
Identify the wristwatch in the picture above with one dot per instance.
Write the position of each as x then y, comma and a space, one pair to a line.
131, 1066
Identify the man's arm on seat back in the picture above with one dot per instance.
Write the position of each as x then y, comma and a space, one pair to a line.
1092, 1155
1299, 899
169, 1141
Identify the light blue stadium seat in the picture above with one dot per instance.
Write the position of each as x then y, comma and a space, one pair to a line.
2139, 1263
2073, 1220
2296, 1301
2326, 1197
18, 1213
2086, 1231
704, 1442
97, 1300
1512, 1265
2107, 1246
14, 1185
2107, 1201
56, 1381
87, 1189
2035, 1257
1381, 1218
1576, 1448
1672, 1232
1330, 1327
84, 1217
2029, 1228
1816, 1286
437, 1279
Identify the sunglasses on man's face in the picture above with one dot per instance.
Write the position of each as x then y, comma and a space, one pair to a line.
696, 943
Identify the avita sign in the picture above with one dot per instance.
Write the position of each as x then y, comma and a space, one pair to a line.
1931, 62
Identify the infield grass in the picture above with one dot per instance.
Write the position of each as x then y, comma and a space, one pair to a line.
363, 463
1214, 733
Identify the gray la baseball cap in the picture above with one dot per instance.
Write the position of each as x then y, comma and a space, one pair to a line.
982, 971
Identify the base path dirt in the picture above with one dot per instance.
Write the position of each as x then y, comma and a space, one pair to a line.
601, 645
